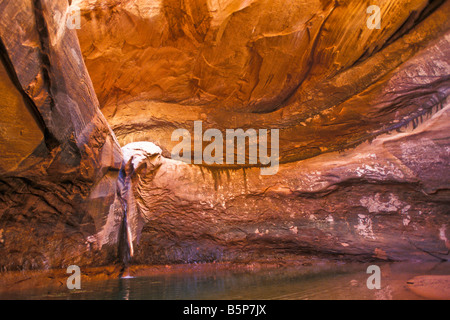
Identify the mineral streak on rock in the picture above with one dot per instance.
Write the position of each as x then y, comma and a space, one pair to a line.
372, 202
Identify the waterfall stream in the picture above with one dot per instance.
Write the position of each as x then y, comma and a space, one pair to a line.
124, 190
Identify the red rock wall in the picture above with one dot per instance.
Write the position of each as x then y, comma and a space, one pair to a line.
312, 69
315, 71
309, 68
46, 216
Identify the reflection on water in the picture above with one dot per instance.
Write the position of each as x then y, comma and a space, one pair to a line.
345, 281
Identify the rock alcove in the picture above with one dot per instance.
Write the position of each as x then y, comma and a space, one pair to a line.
87, 117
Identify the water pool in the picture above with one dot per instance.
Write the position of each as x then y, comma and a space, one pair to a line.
341, 281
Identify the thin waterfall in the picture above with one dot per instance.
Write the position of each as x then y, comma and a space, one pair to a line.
124, 190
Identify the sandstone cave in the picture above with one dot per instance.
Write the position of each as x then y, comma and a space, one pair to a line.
91, 92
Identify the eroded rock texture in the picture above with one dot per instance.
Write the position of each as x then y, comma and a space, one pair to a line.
56, 146
312, 69
350, 185
385, 200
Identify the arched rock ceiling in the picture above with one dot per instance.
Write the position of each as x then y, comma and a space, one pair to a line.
312, 69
